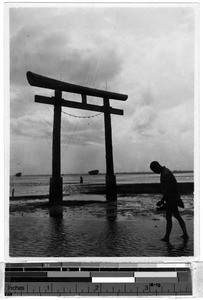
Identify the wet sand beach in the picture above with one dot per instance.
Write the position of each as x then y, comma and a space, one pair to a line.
131, 227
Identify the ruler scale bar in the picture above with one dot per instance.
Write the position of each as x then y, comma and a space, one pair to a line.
48, 279
112, 274
86, 279
113, 279
28, 274
68, 274
155, 274
157, 279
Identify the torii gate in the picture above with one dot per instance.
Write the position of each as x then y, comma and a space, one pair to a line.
56, 181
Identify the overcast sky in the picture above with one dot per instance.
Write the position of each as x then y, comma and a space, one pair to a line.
144, 52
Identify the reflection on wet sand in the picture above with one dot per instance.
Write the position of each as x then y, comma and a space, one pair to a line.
173, 250
111, 211
56, 211
57, 233
111, 241
129, 227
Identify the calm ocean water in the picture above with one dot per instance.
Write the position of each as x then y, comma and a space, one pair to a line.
39, 184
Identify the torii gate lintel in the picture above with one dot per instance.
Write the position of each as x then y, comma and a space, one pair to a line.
56, 181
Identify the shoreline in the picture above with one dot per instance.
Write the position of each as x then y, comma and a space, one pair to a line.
122, 189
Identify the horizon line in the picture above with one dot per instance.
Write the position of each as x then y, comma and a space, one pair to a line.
123, 172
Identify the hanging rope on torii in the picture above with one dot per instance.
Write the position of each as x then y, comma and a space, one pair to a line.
81, 117
56, 181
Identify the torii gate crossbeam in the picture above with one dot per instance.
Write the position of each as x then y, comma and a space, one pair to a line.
56, 183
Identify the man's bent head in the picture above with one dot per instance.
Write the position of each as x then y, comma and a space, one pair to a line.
156, 167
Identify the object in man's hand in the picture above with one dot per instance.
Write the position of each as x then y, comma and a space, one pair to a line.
159, 203
180, 203
162, 207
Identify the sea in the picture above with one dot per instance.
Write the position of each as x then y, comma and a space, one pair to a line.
131, 227
27, 185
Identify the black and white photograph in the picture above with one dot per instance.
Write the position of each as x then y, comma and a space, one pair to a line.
102, 101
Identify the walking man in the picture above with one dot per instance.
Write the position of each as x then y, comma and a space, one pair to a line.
171, 197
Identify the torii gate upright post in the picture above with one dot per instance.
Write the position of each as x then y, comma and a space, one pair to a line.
56, 181
111, 191
56, 184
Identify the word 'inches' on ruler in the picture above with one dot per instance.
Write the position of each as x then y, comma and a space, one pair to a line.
61, 279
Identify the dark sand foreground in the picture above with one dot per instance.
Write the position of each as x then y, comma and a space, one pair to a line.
132, 227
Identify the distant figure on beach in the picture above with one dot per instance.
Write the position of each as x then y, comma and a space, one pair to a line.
13, 191
81, 179
171, 199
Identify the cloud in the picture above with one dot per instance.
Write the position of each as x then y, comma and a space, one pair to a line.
145, 52
30, 126
51, 53
143, 119
166, 135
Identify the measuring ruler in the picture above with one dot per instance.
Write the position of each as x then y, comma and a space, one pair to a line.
93, 279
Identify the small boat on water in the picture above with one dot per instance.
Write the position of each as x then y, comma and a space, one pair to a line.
93, 172
18, 174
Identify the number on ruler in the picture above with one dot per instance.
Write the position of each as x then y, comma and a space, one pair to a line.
96, 289
146, 287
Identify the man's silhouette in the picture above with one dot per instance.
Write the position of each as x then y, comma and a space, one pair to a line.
171, 198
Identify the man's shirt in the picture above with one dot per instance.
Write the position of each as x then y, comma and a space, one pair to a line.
169, 186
